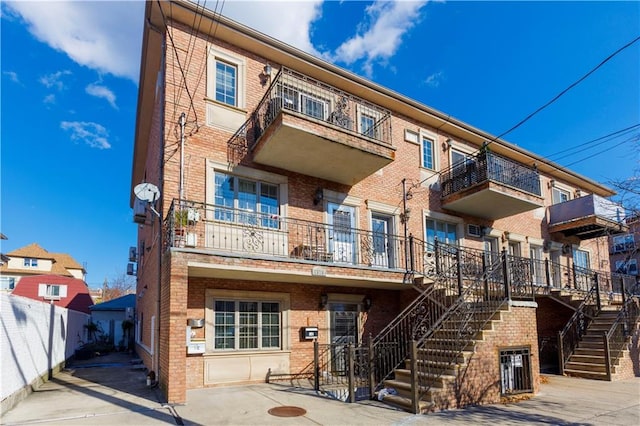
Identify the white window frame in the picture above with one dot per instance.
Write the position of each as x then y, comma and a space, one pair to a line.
216, 55
283, 299
427, 137
374, 131
559, 189
442, 217
30, 262
46, 291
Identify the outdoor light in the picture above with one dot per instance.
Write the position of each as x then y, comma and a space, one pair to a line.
366, 303
324, 299
318, 196
267, 70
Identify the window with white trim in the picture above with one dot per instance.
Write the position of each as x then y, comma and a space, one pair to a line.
560, 195
245, 200
445, 232
30, 262
627, 267
7, 283
246, 325
52, 291
428, 153
306, 103
226, 83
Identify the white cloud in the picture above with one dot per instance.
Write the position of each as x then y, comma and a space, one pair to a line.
102, 35
102, 92
49, 99
54, 80
380, 39
434, 79
12, 76
92, 134
287, 21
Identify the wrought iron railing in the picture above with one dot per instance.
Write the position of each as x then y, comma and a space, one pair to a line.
617, 336
342, 370
488, 166
249, 233
576, 327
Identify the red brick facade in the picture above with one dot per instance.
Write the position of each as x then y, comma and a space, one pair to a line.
175, 282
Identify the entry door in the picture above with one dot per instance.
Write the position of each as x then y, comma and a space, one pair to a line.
537, 265
555, 257
382, 245
342, 233
343, 329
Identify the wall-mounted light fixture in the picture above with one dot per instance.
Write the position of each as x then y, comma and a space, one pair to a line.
366, 303
405, 216
318, 196
446, 144
324, 299
552, 183
265, 76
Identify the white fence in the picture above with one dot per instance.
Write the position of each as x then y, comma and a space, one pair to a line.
35, 337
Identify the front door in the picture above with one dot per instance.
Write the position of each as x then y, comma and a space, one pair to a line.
342, 233
382, 250
343, 330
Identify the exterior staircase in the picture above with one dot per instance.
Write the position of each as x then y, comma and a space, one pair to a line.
438, 364
588, 359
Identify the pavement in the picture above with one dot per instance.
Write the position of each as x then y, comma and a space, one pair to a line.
110, 390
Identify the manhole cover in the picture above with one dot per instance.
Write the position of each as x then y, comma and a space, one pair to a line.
287, 411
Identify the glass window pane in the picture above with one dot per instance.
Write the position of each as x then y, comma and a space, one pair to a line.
427, 153
225, 83
269, 205
224, 328
224, 195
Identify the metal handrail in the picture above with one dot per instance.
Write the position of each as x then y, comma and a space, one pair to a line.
488, 166
576, 327
615, 338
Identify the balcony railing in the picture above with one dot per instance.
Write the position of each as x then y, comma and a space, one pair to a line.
294, 92
218, 229
488, 166
587, 217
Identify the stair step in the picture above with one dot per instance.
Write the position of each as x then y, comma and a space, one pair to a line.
430, 379
405, 403
585, 374
403, 388
586, 367
589, 352
587, 359
446, 356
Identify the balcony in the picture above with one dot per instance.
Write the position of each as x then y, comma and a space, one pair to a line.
587, 217
311, 128
490, 186
272, 247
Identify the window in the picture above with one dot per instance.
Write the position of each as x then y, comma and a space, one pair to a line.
629, 267
367, 125
428, 161
445, 232
52, 291
243, 325
7, 283
581, 258
623, 243
226, 83
246, 201
306, 103
30, 262
559, 195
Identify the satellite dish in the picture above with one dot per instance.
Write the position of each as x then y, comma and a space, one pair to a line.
147, 192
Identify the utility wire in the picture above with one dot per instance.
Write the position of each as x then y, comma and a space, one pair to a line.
632, 139
555, 98
601, 140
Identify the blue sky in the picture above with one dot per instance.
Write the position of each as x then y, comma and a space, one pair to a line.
69, 90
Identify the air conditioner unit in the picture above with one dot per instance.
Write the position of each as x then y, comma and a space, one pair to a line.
133, 254
192, 239
139, 211
193, 215
474, 230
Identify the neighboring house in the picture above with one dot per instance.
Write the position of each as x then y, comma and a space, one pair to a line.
66, 292
304, 208
35, 260
110, 315
624, 249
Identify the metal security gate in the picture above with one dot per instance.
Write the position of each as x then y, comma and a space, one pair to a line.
515, 371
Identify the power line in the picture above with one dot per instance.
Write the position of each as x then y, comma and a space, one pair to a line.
601, 140
631, 139
571, 86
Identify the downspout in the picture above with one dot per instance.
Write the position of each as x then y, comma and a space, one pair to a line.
181, 190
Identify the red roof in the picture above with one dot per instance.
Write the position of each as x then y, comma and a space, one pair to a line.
77, 292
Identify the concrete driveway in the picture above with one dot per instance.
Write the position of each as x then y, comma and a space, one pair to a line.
113, 392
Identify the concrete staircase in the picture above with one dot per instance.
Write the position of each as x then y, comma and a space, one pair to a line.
432, 357
588, 359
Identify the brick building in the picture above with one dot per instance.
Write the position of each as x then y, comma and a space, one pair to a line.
295, 194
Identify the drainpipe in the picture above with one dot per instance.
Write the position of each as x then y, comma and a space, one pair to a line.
181, 191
